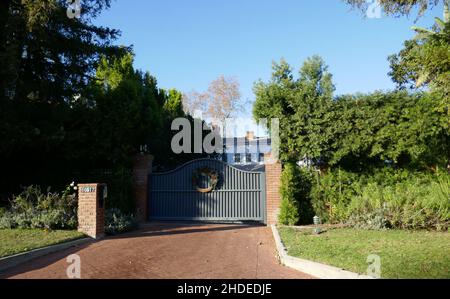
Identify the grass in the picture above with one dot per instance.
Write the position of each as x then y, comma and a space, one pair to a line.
404, 254
14, 241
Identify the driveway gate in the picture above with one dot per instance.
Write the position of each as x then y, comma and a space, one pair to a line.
185, 193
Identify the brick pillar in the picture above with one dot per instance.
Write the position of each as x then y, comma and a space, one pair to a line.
142, 168
273, 184
91, 210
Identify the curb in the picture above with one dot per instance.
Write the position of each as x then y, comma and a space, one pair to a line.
15, 260
317, 270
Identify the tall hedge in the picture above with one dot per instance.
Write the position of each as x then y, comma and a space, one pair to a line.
295, 193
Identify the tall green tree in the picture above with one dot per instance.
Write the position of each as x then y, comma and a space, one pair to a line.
394, 128
46, 62
301, 105
132, 110
357, 132
47, 56
174, 104
425, 60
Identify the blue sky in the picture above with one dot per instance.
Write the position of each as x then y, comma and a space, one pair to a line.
188, 43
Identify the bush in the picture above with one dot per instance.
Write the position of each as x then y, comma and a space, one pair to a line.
117, 222
332, 193
295, 189
416, 203
288, 212
386, 198
35, 209
6, 221
375, 220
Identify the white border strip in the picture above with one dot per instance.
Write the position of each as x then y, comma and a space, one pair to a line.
312, 268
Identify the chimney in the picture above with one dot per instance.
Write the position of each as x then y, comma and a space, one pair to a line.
250, 135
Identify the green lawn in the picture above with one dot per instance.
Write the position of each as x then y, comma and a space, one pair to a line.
404, 254
13, 241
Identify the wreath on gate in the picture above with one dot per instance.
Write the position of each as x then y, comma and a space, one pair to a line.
213, 176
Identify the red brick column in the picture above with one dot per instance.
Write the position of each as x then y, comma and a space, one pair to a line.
273, 184
91, 210
142, 168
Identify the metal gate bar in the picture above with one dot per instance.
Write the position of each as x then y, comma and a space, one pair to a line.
239, 196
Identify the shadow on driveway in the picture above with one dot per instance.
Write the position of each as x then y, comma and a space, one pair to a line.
151, 229
171, 251
157, 229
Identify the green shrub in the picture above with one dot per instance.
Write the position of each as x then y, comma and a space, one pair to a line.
6, 221
117, 222
288, 212
295, 193
385, 198
35, 209
332, 193
416, 203
374, 220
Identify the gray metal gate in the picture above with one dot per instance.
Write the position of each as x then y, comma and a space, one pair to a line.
239, 195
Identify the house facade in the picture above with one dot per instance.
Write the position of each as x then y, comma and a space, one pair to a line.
248, 150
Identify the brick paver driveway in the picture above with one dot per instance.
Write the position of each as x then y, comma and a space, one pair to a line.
185, 251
